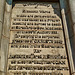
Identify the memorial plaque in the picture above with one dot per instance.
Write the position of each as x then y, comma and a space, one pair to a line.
37, 45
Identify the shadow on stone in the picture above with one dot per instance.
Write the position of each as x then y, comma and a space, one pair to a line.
9, 2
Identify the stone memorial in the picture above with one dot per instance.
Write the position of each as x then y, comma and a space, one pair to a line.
37, 42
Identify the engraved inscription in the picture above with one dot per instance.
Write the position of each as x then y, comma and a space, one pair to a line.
37, 45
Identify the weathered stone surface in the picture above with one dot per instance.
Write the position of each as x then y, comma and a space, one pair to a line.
68, 44
74, 28
0, 32
72, 8
6, 24
2, 3
4, 50
4, 32
73, 16
5, 37
0, 42
36, 41
72, 5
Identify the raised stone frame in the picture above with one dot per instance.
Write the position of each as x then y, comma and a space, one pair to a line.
5, 19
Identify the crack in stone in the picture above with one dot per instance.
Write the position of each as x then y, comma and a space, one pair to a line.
5, 36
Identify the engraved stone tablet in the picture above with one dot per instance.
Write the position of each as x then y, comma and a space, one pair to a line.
37, 45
